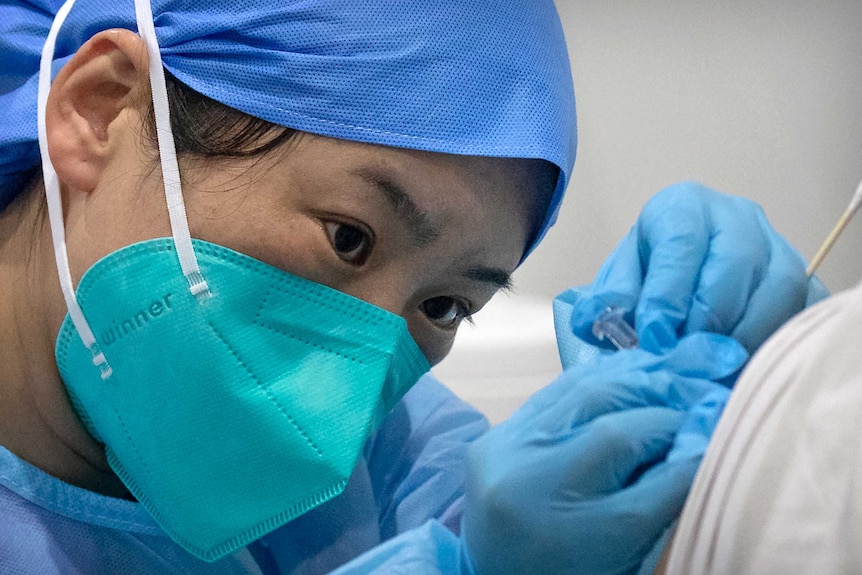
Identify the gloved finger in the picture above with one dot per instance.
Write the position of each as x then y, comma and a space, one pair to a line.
569, 384
780, 295
739, 249
618, 284
605, 452
559, 390
705, 355
599, 397
701, 355
633, 378
698, 426
644, 510
674, 249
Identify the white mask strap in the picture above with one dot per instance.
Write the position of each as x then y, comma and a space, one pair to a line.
170, 174
55, 203
168, 155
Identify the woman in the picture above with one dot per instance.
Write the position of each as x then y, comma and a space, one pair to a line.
358, 178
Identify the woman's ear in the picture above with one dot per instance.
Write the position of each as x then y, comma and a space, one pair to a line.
105, 78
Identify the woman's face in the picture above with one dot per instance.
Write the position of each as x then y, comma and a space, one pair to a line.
430, 237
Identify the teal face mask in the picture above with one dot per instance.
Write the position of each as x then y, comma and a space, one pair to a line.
231, 396
229, 416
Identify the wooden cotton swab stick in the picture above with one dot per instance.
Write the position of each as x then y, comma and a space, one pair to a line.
836, 232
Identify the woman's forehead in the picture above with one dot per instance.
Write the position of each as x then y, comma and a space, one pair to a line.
439, 176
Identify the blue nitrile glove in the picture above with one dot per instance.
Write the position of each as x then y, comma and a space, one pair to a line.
549, 490
434, 550
576, 481
697, 260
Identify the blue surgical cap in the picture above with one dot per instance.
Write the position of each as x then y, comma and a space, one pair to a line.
473, 77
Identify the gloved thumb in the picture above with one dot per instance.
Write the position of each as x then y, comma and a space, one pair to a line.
704, 356
698, 426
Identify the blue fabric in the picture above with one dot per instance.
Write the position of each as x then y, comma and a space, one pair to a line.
411, 473
573, 350
477, 77
429, 550
697, 260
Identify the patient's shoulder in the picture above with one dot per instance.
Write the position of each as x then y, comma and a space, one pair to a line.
778, 488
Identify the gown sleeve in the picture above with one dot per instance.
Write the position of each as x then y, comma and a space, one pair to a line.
416, 460
409, 482
417, 466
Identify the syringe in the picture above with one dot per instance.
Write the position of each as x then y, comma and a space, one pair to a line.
612, 325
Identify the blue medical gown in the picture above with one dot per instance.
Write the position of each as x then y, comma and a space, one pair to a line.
412, 471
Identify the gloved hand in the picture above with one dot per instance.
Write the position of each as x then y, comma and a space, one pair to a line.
576, 481
697, 260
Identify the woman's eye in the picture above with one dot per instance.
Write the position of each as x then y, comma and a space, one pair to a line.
351, 244
445, 312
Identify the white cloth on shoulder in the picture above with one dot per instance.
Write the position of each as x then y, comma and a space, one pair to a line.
780, 488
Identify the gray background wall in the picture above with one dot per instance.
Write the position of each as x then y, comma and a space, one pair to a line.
760, 99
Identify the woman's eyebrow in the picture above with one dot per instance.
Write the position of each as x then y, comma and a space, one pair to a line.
499, 278
420, 227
